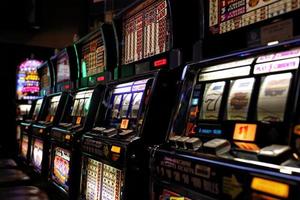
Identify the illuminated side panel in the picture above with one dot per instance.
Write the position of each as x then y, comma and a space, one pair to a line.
112, 183
37, 154
93, 57
146, 32
228, 15
239, 99
94, 180
212, 100
24, 146
61, 167
273, 97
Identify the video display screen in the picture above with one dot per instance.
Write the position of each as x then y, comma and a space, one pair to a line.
24, 146
93, 57
127, 98
212, 100
82, 103
239, 99
228, 15
102, 181
53, 105
37, 153
61, 167
63, 68
146, 31
273, 96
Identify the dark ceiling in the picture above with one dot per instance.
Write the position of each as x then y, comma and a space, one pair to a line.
47, 23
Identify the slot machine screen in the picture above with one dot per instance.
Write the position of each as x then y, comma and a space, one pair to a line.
239, 99
37, 154
61, 167
37, 107
212, 100
82, 103
24, 146
273, 96
53, 105
146, 31
93, 57
126, 100
227, 15
63, 68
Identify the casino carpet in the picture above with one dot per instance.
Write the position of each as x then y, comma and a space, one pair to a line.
17, 183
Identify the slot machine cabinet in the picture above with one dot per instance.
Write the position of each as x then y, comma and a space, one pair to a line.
233, 130
152, 35
64, 171
56, 102
36, 114
97, 53
134, 114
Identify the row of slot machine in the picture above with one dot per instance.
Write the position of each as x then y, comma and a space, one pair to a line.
124, 116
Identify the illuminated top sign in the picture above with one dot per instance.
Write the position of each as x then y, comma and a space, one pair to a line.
28, 80
228, 65
228, 15
281, 65
228, 73
278, 56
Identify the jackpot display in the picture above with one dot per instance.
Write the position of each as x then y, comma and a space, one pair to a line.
228, 15
146, 32
93, 60
37, 153
61, 167
102, 181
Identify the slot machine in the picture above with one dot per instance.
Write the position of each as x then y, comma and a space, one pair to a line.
96, 66
57, 98
232, 135
137, 107
228, 139
35, 114
150, 35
